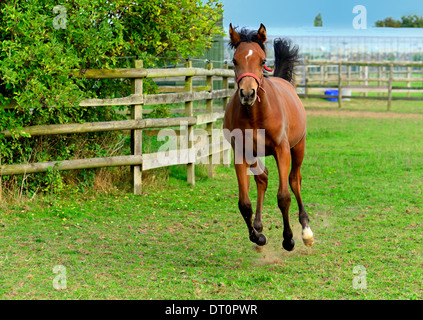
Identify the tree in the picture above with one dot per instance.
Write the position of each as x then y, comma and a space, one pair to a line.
388, 23
410, 21
96, 35
318, 22
41, 44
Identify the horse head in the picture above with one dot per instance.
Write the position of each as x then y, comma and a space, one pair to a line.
249, 59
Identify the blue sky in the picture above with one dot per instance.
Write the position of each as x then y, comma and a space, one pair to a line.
301, 13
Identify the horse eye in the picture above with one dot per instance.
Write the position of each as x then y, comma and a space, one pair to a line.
234, 62
264, 62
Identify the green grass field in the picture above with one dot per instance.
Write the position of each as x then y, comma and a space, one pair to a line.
362, 187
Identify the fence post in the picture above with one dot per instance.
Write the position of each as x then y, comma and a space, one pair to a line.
340, 85
306, 78
226, 155
326, 74
379, 75
366, 76
391, 76
209, 109
136, 135
409, 80
225, 85
421, 70
189, 113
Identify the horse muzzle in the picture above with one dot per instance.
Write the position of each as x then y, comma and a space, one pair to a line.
247, 98
247, 94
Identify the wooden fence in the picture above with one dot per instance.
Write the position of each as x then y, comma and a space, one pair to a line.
136, 103
317, 76
347, 77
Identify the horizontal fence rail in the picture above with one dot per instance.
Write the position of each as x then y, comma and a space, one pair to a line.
54, 129
150, 73
189, 152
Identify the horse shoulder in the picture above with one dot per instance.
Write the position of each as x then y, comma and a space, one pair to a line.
292, 110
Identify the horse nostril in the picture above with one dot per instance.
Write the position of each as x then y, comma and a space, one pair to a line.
249, 95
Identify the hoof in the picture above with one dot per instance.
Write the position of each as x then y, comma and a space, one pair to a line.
262, 240
288, 245
259, 239
309, 242
308, 238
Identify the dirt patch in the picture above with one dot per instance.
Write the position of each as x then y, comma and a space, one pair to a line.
362, 114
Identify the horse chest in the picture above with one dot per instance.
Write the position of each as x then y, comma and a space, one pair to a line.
254, 141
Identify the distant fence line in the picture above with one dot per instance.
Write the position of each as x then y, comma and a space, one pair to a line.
317, 76
135, 102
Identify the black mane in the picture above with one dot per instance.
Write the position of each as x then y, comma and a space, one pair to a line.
248, 36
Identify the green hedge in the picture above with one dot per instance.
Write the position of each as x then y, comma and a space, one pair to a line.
41, 43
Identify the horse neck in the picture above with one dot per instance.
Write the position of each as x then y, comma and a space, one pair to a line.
258, 113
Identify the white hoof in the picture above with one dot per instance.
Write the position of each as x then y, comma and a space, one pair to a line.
308, 237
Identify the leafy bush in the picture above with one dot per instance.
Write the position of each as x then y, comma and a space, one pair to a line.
41, 45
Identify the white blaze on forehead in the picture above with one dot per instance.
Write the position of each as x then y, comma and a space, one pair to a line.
249, 54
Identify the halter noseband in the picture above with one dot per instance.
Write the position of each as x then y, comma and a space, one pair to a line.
259, 81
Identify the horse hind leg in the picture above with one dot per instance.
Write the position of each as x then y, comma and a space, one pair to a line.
297, 155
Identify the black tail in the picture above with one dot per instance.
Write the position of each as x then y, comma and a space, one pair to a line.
286, 57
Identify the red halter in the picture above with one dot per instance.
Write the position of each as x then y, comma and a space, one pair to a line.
259, 82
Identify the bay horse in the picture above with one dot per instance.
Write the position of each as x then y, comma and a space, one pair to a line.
266, 117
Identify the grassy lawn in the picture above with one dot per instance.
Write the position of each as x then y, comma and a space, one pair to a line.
362, 187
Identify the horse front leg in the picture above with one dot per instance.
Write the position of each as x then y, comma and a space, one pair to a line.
261, 178
283, 161
244, 203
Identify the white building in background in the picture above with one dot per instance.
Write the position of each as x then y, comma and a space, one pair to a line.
372, 44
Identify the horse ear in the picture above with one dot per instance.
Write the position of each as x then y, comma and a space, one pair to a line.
261, 33
235, 37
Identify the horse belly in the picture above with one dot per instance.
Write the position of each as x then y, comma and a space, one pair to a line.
295, 118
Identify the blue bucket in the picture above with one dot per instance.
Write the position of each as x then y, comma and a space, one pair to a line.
332, 93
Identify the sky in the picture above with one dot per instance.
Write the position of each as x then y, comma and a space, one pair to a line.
301, 13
